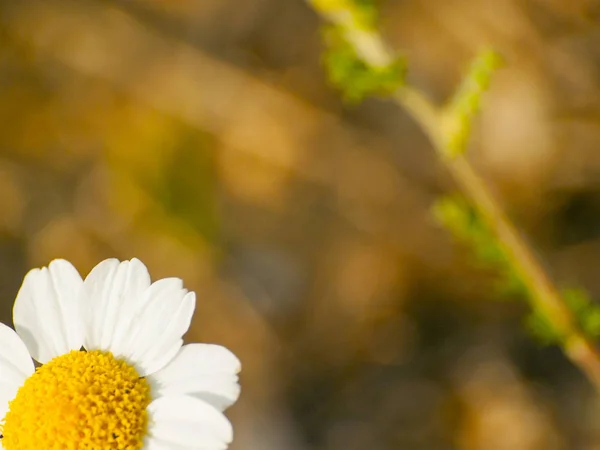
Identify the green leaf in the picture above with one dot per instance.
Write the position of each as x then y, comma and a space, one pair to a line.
354, 78
541, 330
362, 14
585, 311
465, 104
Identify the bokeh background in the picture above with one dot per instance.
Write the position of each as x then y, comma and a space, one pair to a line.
202, 137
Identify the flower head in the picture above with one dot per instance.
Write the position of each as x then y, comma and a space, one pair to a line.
115, 373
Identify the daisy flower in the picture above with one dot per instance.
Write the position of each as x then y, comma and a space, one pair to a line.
114, 372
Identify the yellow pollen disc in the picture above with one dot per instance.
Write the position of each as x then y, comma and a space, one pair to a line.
80, 400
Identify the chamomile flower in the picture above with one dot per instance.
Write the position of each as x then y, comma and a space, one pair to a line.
114, 371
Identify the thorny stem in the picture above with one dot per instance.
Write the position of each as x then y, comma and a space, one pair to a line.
544, 296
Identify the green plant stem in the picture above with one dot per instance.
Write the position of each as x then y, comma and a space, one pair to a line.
544, 296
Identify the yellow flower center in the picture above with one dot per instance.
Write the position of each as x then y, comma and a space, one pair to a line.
80, 400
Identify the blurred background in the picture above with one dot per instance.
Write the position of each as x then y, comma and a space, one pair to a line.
202, 137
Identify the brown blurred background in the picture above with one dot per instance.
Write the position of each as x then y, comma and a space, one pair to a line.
202, 137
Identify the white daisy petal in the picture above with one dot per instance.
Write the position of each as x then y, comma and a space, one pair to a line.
167, 287
159, 444
165, 317
47, 313
156, 444
15, 366
205, 371
161, 358
111, 294
187, 422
